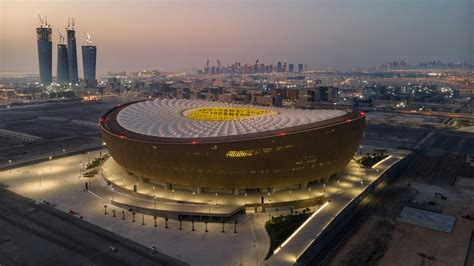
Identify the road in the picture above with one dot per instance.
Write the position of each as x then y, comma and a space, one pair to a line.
38, 234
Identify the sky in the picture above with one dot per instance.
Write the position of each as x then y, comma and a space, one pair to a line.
170, 35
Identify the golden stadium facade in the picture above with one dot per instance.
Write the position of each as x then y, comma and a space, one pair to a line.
202, 145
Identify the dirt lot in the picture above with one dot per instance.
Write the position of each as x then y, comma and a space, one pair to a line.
381, 240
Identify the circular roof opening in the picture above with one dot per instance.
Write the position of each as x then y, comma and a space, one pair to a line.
225, 113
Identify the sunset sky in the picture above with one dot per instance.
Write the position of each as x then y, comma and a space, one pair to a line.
182, 34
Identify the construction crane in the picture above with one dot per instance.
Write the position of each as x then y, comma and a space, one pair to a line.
70, 23
61, 38
41, 20
88, 38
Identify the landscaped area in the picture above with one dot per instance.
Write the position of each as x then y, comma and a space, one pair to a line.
281, 227
371, 159
97, 162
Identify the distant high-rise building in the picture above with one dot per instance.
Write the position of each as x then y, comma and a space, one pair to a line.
89, 59
45, 53
62, 66
300, 67
290, 68
279, 67
72, 55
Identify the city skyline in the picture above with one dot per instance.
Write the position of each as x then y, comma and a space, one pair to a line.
172, 35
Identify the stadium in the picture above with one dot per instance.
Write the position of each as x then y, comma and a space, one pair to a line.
208, 146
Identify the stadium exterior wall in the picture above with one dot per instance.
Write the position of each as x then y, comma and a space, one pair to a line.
265, 160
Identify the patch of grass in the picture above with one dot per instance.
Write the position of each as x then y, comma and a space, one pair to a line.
97, 162
280, 228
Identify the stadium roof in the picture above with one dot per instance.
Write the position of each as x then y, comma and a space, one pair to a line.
177, 118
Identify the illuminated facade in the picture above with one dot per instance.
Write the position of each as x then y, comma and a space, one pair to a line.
211, 146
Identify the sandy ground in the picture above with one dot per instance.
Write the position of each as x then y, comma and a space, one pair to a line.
406, 244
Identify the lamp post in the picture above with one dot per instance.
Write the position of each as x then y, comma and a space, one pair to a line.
172, 194
209, 202
309, 193
245, 196
194, 196
80, 169
216, 197
269, 205
112, 187
289, 192
9, 165
154, 198
50, 164
64, 154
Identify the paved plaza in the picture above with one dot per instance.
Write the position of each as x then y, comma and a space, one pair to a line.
60, 182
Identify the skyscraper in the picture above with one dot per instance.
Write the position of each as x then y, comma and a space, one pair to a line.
300, 67
45, 52
72, 53
89, 56
279, 67
62, 67
290, 68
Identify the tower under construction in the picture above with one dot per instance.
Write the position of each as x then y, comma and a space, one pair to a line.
89, 59
45, 47
62, 66
72, 53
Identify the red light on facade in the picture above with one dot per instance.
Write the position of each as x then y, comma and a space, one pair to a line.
362, 113
194, 142
349, 120
282, 134
122, 136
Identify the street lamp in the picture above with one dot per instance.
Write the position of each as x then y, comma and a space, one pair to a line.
269, 205
154, 198
9, 165
50, 164
80, 170
290, 194
172, 191
309, 193
245, 198
112, 187
64, 154
216, 198
194, 196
